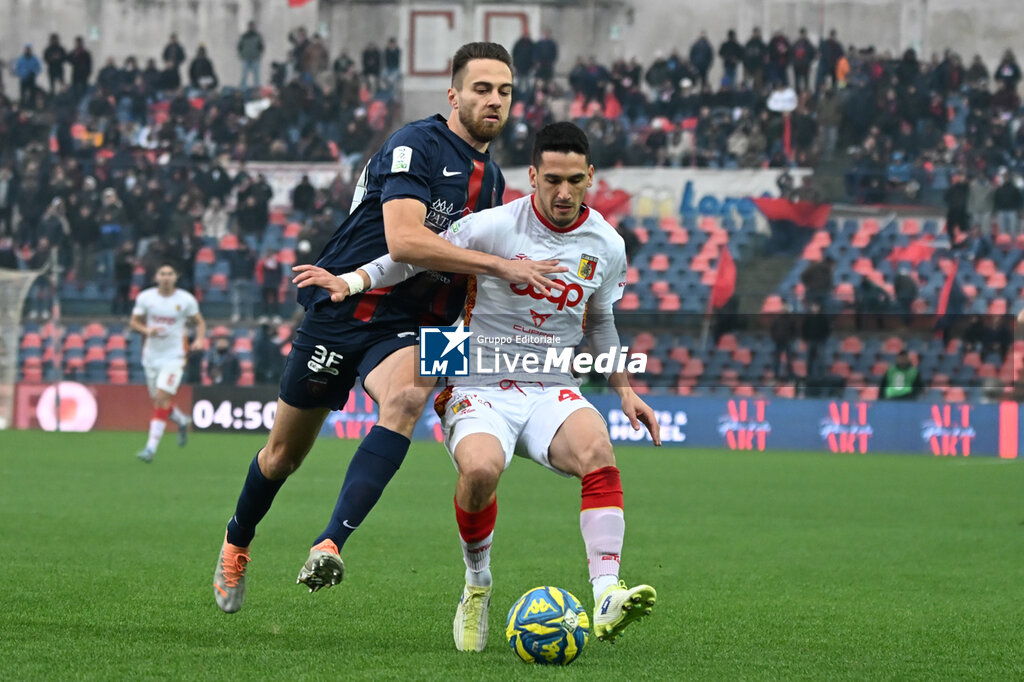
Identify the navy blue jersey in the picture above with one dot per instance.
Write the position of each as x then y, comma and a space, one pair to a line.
425, 161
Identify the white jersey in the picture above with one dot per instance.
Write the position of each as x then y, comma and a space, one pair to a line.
510, 320
167, 315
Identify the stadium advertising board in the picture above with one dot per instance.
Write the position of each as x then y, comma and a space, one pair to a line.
755, 424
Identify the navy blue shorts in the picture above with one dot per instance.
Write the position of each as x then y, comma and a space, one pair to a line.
320, 373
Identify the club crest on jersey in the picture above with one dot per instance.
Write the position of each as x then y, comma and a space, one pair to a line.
461, 405
588, 267
539, 318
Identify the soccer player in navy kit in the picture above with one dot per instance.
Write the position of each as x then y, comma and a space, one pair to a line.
427, 175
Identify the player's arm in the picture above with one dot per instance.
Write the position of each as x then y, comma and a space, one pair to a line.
411, 241
200, 323
138, 324
381, 272
602, 337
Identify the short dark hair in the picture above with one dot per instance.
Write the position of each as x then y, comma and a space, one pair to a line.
563, 136
169, 264
481, 50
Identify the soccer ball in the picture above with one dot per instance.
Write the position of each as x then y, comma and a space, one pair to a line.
547, 625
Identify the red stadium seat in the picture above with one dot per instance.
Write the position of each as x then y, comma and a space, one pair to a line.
219, 280
910, 226
74, 342
869, 393
659, 262
95, 330
743, 356
680, 354
642, 234
206, 255
95, 354
694, 367
972, 359
243, 344
851, 344
679, 237
32, 370
292, 230
988, 371
278, 217
879, 368
997, 306
985, 267
892, 345
287, 258
996, 281
31, 340
841, 369
786, 391
940, 380
644, 342
630, 301
744, 391
844, 292
228, 242
870, 225
727, 342
955, 395
247, 378
116, 342
632, 275
861, 239
660, 287
669, 303
772, 304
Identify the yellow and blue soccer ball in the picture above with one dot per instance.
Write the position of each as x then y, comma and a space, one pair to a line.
548, 625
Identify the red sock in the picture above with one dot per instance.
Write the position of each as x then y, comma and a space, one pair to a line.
602, 522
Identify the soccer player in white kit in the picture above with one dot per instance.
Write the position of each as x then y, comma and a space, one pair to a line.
160, 315
494, 413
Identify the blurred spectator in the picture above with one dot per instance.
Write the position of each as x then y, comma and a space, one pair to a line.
222, 365
701, 57
545, 54
974, 335
299, 42
85, 238
81, 68
1007, 202
269, 275
977, 73
829, 119
8, 199
315, 59
372, 66
40, 296
522, 59
200, 72
870, 301
957, 218
783, 333
250, 51
303, 198
830, 52
902, 381
124, 268
980, 202
779, 58
731, 53
817, 281
905, 289
804, 54
242, 264
755, 54
1008, 72
26, 69
392, 64
815, 330
55, 55
267, 358
215, 220
174, 53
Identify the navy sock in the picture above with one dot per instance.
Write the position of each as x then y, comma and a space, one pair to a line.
253, 504
371, 469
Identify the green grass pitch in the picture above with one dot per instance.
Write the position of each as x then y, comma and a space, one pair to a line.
768, 566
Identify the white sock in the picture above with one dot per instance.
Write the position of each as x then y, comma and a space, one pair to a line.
156, 432
178, 417
477, 556
478, 578
602, 583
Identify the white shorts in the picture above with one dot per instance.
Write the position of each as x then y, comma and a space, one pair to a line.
524, 417
165, 377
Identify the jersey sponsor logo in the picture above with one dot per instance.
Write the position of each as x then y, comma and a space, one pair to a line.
323, 361
441, 214
588, 267
539, 318
401, 159
448, 174
444, 351
520, 256
570, 296
163, 319
460, 223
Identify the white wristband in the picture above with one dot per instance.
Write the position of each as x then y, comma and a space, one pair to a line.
354, 281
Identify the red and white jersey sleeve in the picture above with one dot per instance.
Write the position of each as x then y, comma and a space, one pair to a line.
168, 315
507, 319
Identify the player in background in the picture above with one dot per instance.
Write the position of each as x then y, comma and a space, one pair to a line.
427, 175
488, 416
160, 315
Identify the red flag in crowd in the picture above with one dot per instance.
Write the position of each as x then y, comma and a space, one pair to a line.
725, 279
800, 213
947, 289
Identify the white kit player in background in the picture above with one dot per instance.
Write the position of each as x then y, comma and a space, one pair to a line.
160, 315
502, 408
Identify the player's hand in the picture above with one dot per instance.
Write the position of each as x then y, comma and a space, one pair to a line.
532, 272
1020, 317
638, 412
315, 276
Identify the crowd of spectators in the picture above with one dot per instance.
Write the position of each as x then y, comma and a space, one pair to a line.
123, 166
